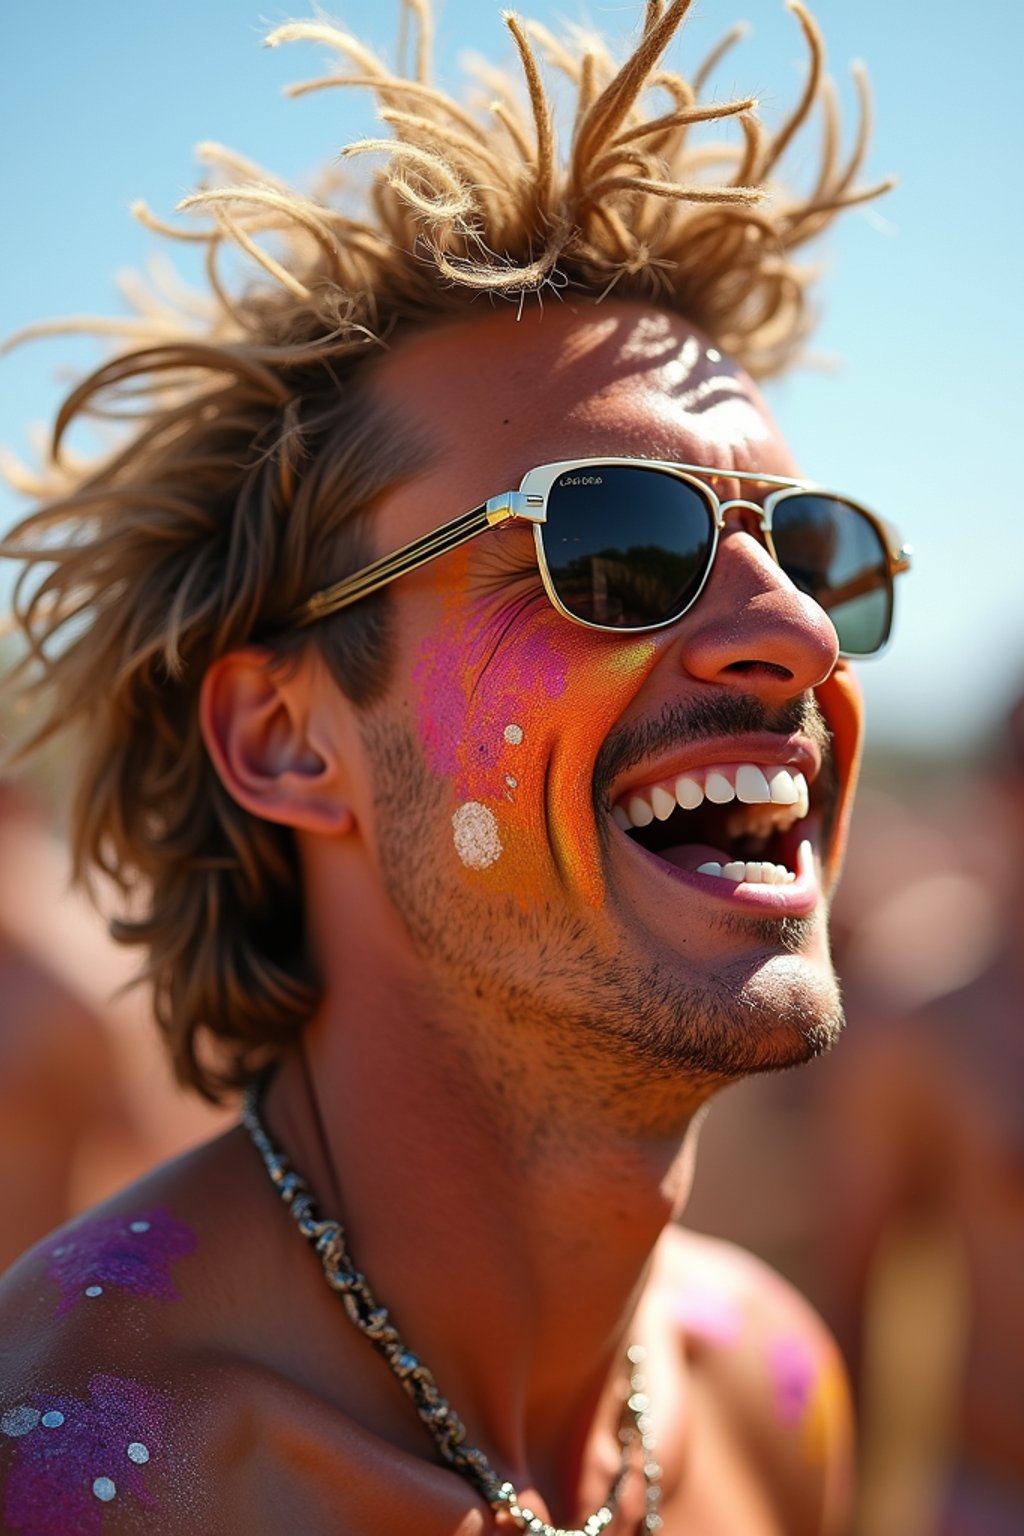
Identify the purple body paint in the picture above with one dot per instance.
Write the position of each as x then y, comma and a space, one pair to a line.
120, 1253
80, 1456
794, 1371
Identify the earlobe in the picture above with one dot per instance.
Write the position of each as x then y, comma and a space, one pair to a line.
255, 717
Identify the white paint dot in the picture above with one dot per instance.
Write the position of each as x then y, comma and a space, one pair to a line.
514, 735
510, 781
19, 1421
138, 1453
713, 355
94, 1290
104, 1488
476, 835
139, 1226
54, 1419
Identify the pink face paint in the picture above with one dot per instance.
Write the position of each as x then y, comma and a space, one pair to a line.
73, 1457
119, 1253
473, 687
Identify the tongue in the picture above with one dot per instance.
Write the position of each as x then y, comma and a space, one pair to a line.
693, 855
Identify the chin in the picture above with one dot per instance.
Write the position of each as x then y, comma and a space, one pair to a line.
794, 1011
767, 1012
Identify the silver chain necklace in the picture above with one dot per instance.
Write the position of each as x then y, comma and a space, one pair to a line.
446, 1428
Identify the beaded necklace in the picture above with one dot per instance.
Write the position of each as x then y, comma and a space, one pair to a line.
446, 1429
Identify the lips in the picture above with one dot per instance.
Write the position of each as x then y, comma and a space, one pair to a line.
743, 823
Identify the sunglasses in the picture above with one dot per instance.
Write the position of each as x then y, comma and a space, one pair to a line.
627, 545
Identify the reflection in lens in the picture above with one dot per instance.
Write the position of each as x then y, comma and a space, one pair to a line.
626, 545
833, 552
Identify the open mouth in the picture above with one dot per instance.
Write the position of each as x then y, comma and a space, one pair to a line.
742, 822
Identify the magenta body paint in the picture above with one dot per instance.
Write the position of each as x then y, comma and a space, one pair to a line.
118, 1253
73, 1457
794, 1369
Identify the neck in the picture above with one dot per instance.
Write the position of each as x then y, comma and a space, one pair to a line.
508, 1233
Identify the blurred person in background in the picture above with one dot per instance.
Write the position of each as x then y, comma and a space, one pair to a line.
773, 1171
922, 1151
87, 1102
61, 1109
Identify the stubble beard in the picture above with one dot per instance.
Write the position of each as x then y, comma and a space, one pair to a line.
540, 968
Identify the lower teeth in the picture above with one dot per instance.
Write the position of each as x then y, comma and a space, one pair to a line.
749, 874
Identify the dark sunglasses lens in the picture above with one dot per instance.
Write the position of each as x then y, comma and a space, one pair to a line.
626, 546
834, 552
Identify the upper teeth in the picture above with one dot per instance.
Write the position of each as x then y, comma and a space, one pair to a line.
746, 782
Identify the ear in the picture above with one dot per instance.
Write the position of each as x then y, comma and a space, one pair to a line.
268, 743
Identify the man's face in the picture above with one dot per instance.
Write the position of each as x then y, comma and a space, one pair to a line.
511, 742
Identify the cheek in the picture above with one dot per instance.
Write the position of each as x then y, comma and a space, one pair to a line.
512, 710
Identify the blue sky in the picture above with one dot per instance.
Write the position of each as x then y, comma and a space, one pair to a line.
918, 411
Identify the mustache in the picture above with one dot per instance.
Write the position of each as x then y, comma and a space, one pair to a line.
680, 725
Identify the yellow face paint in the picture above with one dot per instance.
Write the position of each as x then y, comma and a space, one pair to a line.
514, 703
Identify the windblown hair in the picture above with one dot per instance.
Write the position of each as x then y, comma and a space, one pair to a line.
253, 457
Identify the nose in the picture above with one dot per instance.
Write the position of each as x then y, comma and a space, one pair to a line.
752, 628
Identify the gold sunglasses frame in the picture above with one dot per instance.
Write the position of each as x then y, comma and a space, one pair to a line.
529, 504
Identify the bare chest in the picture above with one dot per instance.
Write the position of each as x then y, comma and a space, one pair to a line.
324, 1476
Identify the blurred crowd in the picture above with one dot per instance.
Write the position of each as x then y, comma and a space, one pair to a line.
886, 1180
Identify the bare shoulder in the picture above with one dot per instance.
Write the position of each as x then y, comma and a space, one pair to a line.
765, 1373
171, 1362
118, 1360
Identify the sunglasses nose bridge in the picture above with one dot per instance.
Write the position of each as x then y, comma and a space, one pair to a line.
751, 516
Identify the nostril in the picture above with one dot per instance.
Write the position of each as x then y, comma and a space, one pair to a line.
769, 669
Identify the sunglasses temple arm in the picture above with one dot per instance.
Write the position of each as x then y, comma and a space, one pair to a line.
861, 586
499, 509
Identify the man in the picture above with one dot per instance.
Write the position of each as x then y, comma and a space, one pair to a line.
503, 855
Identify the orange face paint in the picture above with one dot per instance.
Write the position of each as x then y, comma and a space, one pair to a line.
514, 703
